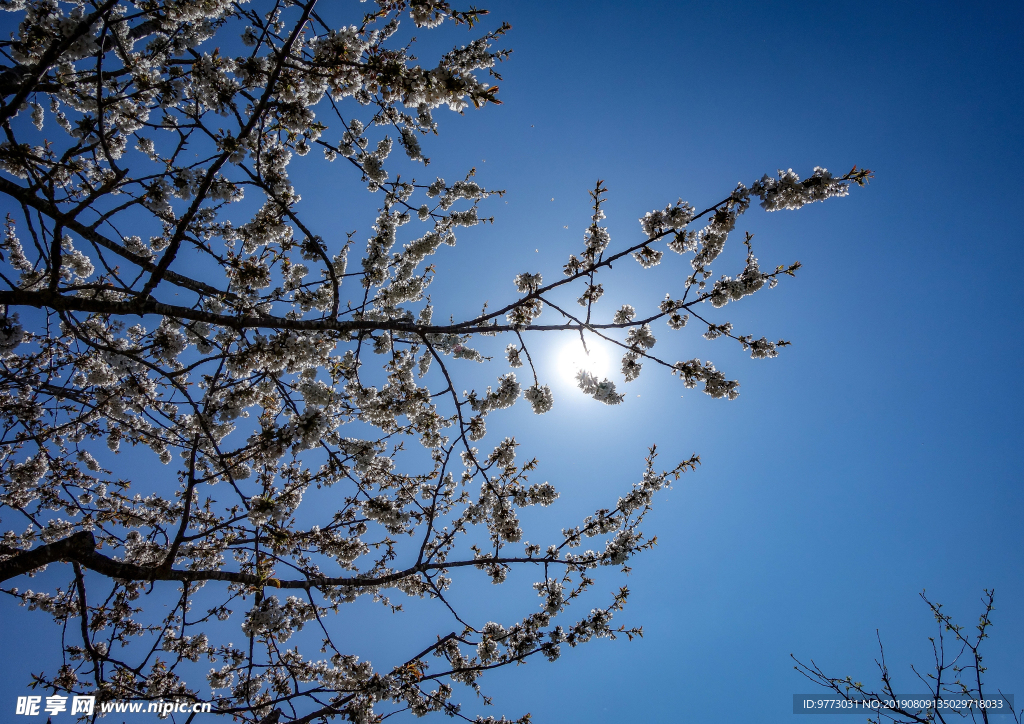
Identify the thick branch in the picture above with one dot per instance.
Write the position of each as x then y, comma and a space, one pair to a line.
81, 548
139, 307
70, 548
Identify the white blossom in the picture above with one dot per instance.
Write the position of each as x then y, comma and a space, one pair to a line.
602, 391
625, 314
789, 192
539, 396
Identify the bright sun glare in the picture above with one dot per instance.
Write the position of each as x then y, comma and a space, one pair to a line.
573, 358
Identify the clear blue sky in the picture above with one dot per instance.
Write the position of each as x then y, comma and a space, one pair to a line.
877, 456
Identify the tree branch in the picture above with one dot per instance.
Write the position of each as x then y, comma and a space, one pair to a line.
89, 234
81, 548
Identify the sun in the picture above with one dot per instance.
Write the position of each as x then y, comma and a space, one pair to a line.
572, 358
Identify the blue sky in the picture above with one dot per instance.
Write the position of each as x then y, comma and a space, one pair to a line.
876, 457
